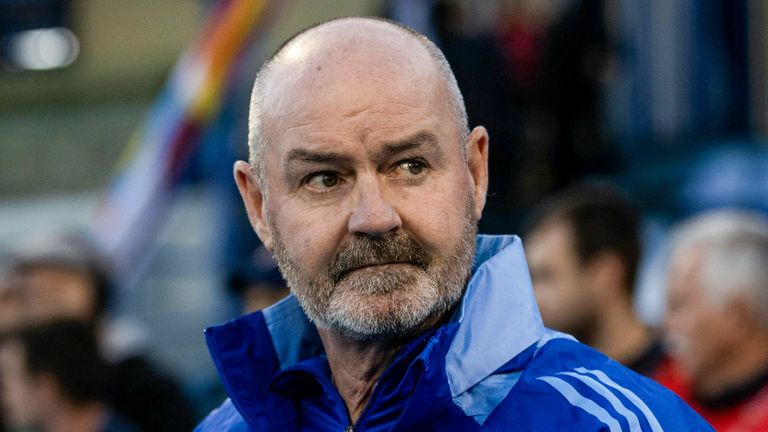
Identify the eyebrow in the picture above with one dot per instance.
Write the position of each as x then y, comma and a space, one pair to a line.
420, 140
298, 157
315, 156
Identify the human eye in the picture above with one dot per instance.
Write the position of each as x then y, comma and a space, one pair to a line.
410, 168
323, 181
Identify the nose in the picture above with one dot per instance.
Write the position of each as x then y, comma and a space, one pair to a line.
373, 215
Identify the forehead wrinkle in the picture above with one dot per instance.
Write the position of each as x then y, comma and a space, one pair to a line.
294, 127
367, 110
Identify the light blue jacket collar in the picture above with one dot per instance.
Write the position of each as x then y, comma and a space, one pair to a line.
498, 319
498, 315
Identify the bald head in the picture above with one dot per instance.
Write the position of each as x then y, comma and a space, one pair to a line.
337, 58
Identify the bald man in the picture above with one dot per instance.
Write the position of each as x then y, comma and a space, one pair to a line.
366, 183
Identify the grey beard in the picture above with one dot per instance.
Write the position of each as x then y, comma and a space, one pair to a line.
381, 302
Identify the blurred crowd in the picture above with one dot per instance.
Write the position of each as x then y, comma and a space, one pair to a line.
583, 247
67, 363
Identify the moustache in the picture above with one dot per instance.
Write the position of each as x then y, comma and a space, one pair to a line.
366, 251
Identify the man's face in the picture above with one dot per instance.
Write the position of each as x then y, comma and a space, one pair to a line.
51, 292
697, 329
559, 281
371, 206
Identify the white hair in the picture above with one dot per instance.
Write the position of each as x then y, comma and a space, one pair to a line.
734, 248
256, 138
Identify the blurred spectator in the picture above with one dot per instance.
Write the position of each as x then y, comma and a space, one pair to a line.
258, 282
583, 249
717, 318
59, 276
62, 276
54, 380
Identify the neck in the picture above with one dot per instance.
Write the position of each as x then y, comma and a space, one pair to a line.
357, 366
89, 417
743, 364
621, 335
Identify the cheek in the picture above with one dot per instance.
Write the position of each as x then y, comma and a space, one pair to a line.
698, 330
435, 215
684, 324
310, 235
551, 309
557, 303
544, 295
562, 289
555, 292
703, 323
576, 301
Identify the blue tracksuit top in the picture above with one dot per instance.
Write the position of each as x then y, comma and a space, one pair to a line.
492, 367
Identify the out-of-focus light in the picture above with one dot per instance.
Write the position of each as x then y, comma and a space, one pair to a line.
42, 49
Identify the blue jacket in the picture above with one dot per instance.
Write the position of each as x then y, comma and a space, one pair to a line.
493, 366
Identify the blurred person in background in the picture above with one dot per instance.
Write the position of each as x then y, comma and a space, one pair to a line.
62, 276
717, 317
257, 281
52, 379
583, 248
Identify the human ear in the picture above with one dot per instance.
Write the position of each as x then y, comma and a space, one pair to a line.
253, 198
477, 163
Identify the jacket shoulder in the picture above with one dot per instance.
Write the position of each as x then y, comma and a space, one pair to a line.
589, 391
224, 418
